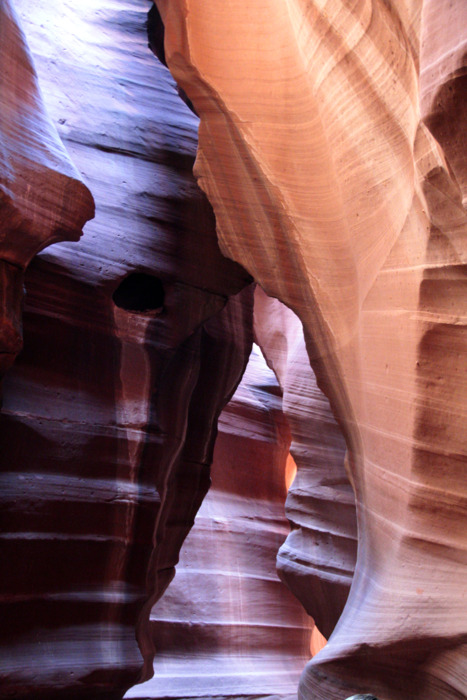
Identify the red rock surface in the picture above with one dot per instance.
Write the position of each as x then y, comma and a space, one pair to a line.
106, 411
227, 626
317, 561
329, 190
337, 199
42, 197
443, 80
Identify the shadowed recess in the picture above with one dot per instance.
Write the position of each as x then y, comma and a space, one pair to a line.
139, 292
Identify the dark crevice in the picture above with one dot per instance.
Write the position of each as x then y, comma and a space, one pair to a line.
140, 293
156, 36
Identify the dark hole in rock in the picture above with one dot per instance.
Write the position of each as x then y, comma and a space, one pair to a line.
139, 293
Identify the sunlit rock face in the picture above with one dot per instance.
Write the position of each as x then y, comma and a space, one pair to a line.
227, 626
337, 199
42, 197
330, 192
130, 353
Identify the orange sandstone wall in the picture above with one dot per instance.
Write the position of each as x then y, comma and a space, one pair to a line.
337, 199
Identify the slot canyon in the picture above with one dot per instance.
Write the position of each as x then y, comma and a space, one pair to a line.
233, 350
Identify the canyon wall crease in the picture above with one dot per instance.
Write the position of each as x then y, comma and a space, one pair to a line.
330, 190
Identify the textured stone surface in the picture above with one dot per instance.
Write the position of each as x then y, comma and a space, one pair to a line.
107, 411
42, 197
87, 482
334, 196
443, 78
227, 626
318, 559
330, 192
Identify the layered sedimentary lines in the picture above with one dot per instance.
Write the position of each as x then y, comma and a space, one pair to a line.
330, 192
42, 197
443, 81
110, 409
317, 560
227, 626
313, 61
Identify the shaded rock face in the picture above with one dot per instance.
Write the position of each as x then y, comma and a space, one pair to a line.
317, 561
87, 491
443, 76
338, 200
331, 193
226, 625
42, 197
135, 338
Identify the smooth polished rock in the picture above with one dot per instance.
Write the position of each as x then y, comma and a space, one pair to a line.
317, 560
333, 194
42, 196
443, 80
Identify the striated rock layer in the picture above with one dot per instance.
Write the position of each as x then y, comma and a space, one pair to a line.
317, 560
443, 80
331, 193
131, 350
42, 197
334, 196
227, 626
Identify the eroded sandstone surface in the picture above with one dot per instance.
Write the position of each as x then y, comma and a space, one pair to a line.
317, 560
42, 196
337, 199
130, 353
226, 625
317, 153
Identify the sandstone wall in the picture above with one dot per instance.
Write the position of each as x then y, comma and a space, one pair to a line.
113, 402
333, 194
42, 197
329, 191
227, 626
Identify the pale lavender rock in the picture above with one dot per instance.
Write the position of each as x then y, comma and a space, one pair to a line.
42, 196
101, 408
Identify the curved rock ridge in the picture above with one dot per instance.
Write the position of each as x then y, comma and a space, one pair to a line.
317, 560
42, 196
95, 469
443, 80
226, 625
339, 202
110, 413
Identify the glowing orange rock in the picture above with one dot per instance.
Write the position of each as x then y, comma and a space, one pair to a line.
328, 189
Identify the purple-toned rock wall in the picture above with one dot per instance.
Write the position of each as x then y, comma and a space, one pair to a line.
130, 353
316, 149
227, 626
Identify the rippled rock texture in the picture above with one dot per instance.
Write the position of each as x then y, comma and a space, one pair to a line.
443, 89
317, 561
135, 338
42, 197
227, 626
330, 191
